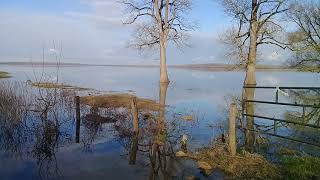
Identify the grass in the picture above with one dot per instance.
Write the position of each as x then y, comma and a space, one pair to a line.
119, 100
301, 168
4, 74
49, 85
244, 165
52, 85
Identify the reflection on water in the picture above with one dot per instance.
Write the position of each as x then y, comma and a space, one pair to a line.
33, 124
138, 133
249, 109
296, 123
307, 115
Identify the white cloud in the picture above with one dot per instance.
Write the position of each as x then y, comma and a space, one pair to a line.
24, 34
99, 19
95, 35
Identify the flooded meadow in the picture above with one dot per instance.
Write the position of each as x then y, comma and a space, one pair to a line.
99, 122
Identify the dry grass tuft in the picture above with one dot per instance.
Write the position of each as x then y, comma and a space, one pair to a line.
241, 166
119, 100
52, 85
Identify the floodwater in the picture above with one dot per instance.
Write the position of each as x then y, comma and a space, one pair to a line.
107, 150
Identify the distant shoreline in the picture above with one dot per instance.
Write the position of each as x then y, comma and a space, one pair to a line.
197, 67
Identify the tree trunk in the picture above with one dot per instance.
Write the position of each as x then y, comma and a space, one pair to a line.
251, 64
162, 101
250, 110
163, 63
251, 76
162, 97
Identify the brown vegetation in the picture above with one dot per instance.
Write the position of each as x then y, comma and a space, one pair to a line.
119, 100
53, 85
240, 166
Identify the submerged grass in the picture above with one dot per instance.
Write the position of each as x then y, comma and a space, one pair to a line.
52, 85
4, 74
49, 85
120, 100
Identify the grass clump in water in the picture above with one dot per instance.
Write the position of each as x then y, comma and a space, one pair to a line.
53, 85
49, 85
4, 74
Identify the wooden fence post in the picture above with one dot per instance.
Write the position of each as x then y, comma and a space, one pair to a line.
134, 149
275, 126
232, 129
135, 118
77, 101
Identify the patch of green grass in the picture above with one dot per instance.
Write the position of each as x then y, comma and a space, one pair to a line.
4, 74
300, 167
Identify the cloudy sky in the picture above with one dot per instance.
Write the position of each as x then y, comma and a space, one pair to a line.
91, 31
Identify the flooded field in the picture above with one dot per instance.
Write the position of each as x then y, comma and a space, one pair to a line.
132, 127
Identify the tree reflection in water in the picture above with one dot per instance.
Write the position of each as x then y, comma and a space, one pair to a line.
249, 108
156, 141
33, 123
257, 141
305, 115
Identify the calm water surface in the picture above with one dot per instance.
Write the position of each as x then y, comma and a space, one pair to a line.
203, 95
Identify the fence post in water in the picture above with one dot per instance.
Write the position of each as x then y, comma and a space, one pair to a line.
134, 149
232, 129
77, 101
134, 111
275, 122
275, 127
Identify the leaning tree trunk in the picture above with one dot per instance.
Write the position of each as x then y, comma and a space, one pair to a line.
163, 63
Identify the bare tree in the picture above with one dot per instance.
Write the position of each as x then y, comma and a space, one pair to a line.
257, 24
306, 39
157, 22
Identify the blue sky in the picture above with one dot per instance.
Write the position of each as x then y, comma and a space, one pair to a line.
90, 31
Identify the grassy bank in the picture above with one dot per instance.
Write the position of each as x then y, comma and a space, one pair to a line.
300, 167
245, 165
4, 74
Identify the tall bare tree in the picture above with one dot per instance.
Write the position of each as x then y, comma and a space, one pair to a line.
257, 24
159, 21
305, 40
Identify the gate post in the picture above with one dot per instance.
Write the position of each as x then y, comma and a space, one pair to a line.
232, 129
